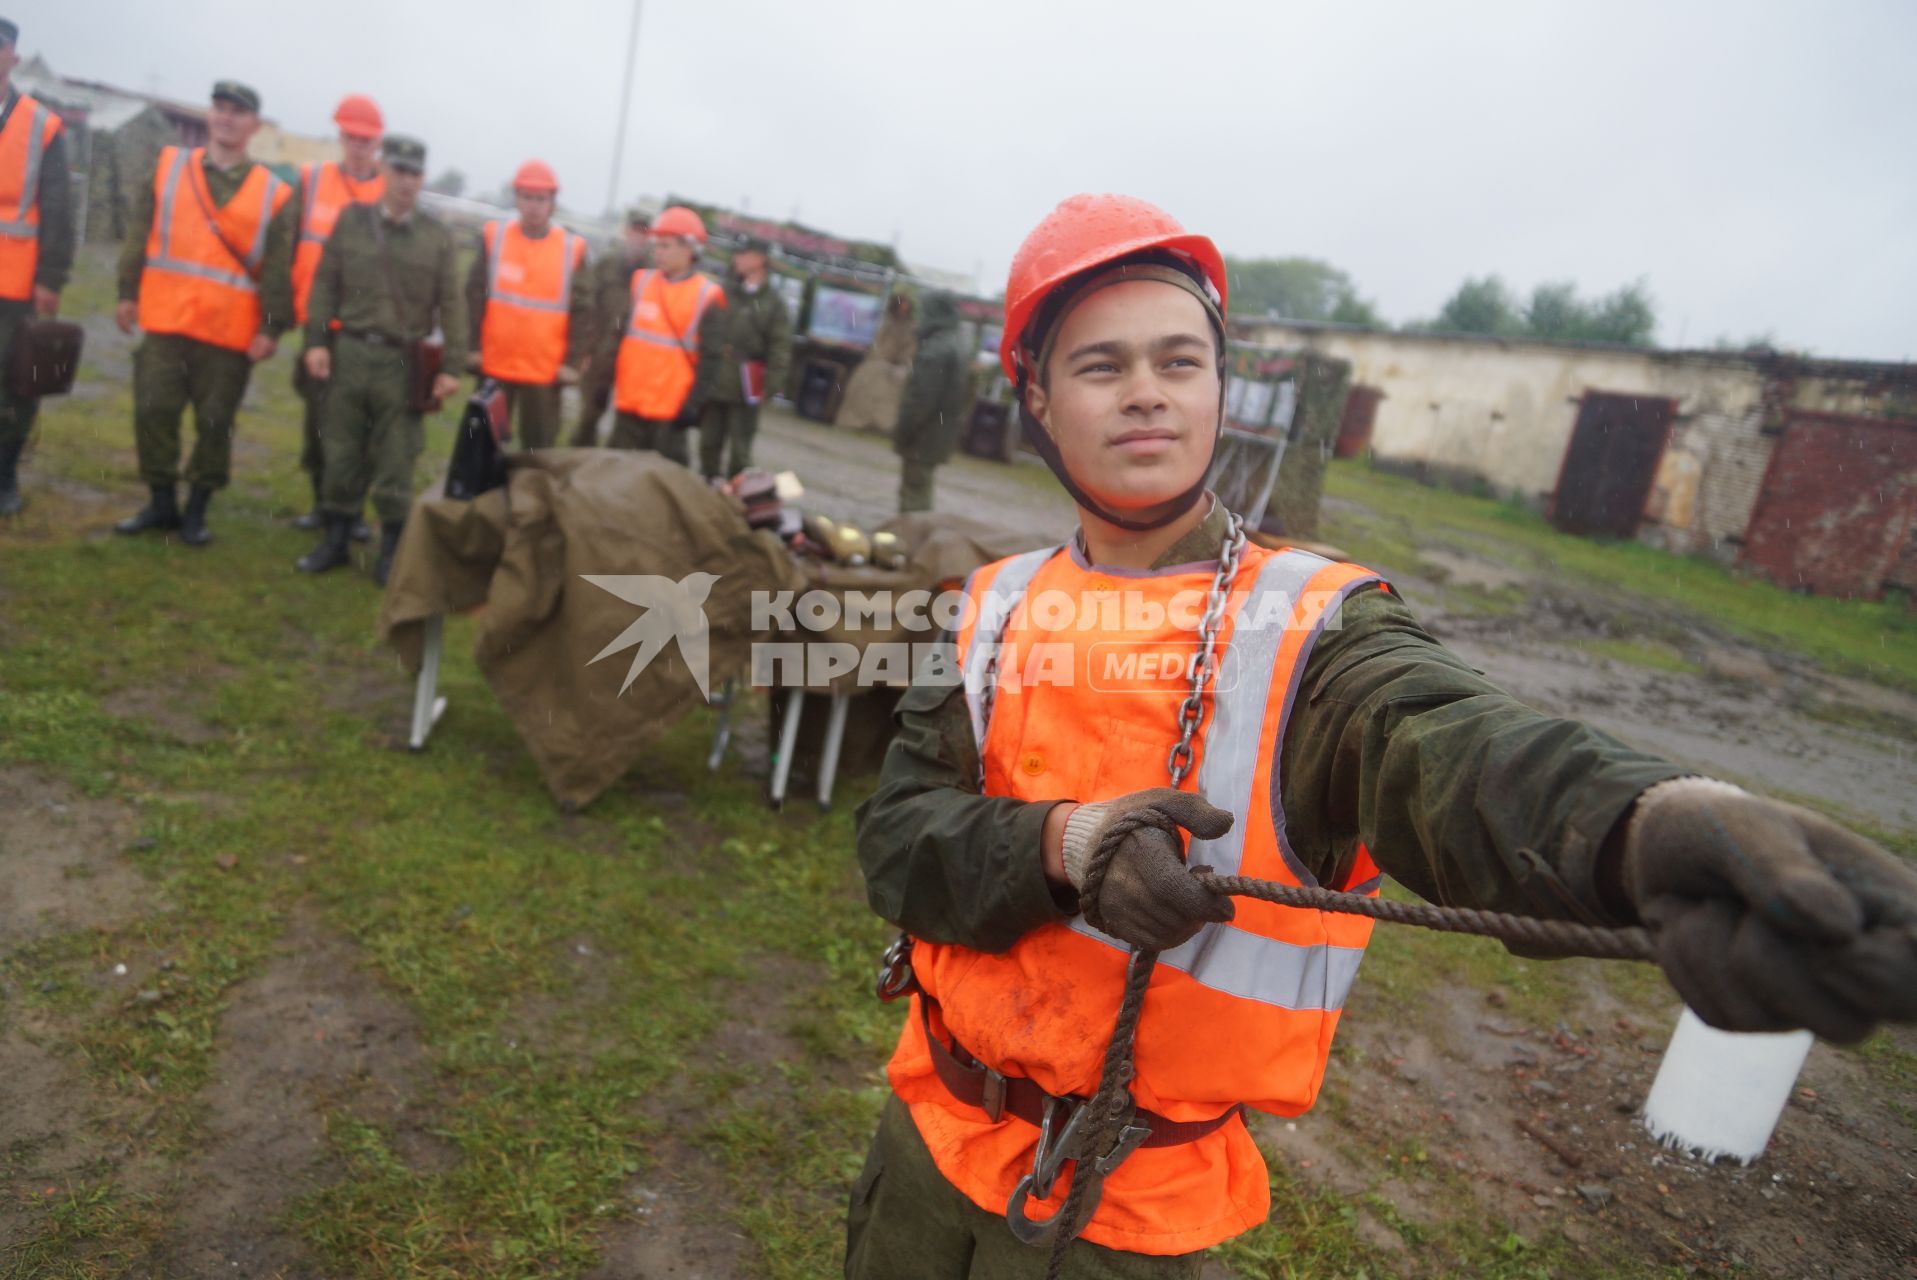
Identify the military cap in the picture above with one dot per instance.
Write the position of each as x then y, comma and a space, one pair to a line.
754, 244
403, 152
240, 95
9, 32
636, 217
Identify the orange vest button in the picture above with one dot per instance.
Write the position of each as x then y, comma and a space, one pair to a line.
1034, 764
1101, 584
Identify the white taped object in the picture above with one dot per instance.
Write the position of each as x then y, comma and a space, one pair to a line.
1720, 1093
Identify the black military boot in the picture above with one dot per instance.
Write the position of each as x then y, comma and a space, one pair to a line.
360, 531
314, 519
10, 503
163, 512
332, 552
388, 547
193, 530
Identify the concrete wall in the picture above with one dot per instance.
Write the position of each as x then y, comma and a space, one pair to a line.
1497, 415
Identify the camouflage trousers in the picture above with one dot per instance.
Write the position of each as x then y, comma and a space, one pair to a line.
632, 432
171, 372
907, 1220
725, 435
372, 441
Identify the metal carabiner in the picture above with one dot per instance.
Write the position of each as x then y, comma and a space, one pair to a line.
1049, 1160
895, 970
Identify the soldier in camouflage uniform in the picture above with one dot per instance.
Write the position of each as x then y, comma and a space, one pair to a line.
758, 343
44, 248
185, 304
611, 285
387, 278
938, 396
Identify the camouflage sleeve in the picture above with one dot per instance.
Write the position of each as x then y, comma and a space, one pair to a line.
452, 307
57, 232
1456, 789
475, 300
276, 269
941, 861
139, 225
712, 352
322, 304
778, 355
581, 314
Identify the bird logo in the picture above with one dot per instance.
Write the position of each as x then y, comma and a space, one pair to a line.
673, 611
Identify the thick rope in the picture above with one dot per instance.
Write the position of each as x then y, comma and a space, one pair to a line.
1562, 937
1111, 1106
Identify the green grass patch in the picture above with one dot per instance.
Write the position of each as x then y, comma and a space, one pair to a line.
1641, 653
1876, 640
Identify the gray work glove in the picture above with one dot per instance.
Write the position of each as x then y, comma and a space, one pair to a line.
1770, 917
1126, 861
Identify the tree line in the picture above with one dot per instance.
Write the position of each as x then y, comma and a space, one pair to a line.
1311, 289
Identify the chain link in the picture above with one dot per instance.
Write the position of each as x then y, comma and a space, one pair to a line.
1191, 712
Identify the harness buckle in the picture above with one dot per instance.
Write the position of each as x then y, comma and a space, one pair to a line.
895, 971
1058, 1143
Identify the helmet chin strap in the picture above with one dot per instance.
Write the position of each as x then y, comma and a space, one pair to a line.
1043, 445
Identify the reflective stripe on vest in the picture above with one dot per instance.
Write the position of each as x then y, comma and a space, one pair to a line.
192, 285
648, 383
1221, 956
573, 248
30, 130
526, 319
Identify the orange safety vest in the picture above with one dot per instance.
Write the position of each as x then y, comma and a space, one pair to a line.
195, 285
325, 191
30, 131
528, 299
659, 356
1091, 668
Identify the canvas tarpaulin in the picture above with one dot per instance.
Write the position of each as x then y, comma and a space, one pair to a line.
524, 553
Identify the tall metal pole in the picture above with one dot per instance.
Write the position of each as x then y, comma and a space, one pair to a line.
625, 109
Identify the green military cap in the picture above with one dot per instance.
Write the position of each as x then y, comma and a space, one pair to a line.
9, 32
240, 95
636, 217
403, 152
754, 244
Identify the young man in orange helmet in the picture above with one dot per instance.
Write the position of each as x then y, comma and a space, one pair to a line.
324, 191
669, 348
1030, 828
531, 305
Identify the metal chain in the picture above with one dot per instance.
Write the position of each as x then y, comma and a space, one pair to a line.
1111, 1108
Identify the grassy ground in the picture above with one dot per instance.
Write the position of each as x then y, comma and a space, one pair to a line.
578, 982
1876, 640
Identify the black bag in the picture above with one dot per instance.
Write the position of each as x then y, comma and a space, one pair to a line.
44, 357
479, 443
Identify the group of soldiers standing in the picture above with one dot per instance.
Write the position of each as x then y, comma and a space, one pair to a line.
223, 258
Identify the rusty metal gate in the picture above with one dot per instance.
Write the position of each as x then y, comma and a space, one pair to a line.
1610, 463
1838, 507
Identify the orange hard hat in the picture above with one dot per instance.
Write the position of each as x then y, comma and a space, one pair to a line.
535, 175
680, 221
1080, 234
358, 115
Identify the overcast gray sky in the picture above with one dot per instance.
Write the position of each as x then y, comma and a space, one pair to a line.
1753, 161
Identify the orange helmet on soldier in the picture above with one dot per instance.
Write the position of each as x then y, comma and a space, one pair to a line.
680, 221
536, 175
1089, 231
358, 116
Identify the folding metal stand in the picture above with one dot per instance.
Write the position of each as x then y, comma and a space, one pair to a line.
841, 703
428, 706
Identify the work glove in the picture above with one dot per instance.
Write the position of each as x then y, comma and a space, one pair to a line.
1770, 917
1126, 861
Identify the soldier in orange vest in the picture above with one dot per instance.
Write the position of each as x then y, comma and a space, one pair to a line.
1160, 693
206, 272
324, 190
531, 306
671, 344
36, 241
